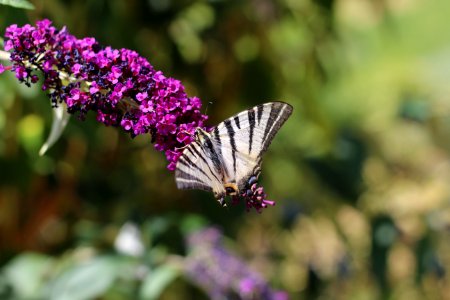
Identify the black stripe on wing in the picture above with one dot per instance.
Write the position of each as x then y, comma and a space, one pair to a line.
187, 162
232, 142
237, 122
251, 120
200, 153
189, 181
279, 113
211, 153
218, 150
259, 110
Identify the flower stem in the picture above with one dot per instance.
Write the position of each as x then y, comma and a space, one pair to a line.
4, 55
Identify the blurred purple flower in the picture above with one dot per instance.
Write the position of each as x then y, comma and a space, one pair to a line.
120, 86
221, 274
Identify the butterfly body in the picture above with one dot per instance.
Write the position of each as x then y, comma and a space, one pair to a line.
227, 160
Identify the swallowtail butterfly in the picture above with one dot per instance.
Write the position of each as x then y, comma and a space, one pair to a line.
227, 159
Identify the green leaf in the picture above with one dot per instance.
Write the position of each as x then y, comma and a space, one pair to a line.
60, 119
86, 281
18, 3
156, 281
192, 223
25, 273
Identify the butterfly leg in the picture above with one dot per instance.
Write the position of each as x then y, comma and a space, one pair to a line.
222, 202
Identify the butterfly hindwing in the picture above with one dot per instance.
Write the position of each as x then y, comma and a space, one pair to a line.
195, 169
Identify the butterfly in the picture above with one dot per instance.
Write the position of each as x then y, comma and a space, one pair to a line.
227, 159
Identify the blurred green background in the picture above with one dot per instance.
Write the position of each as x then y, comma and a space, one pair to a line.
360, 172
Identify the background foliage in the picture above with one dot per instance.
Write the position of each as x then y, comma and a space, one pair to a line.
360, 172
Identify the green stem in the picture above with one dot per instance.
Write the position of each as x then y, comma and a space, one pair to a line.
4, 55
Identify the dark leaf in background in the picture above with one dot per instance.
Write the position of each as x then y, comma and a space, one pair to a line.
341, 170
384, 234
428, 261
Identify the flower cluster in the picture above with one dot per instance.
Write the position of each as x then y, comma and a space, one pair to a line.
221, 274
121, 87
254, 196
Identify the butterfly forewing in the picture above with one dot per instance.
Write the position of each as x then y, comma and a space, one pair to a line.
246, 136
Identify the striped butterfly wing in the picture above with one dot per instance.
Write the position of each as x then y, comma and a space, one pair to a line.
243, 139
196, 170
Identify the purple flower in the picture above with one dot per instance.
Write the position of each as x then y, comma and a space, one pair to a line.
141, 96
220, 273
254, 197
76, 69
246, 286
94, 88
